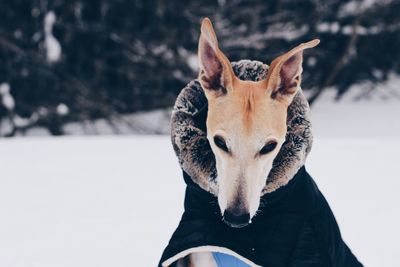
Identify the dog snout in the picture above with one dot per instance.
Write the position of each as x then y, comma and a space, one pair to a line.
236, 218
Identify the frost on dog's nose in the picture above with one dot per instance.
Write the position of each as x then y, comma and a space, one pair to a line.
236, 218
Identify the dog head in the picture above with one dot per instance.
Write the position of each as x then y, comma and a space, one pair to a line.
246, 122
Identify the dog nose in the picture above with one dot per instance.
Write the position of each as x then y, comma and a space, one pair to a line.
236, 219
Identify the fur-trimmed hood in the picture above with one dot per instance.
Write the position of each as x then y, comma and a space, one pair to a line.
189, 136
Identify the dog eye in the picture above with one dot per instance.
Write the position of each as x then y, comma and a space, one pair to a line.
220, 142
268, 148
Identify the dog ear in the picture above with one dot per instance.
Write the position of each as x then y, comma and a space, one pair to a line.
284, 77
216, 74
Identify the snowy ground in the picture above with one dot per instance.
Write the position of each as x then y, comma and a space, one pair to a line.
115, 200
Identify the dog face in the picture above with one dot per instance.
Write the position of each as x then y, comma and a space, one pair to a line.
246, 123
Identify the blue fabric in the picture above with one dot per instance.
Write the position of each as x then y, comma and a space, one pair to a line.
225, 260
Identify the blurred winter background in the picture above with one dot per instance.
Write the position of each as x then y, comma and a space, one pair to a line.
92, 71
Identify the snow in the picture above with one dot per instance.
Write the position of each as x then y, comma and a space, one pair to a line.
115, 201
191, 58
193, 62
52, 45
362, 120
359, 7
155, 121
87, 201
286, 31
21, 122
334, 27
6, 98
62, 109
328, 27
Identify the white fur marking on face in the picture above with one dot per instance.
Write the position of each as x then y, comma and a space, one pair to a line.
242, 174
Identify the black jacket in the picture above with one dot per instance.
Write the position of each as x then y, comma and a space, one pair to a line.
295, 227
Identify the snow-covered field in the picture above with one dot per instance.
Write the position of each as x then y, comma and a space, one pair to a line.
115, 200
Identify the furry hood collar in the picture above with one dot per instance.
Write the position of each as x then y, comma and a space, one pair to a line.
189, 136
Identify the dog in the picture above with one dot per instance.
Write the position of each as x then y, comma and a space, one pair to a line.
247, 126
246, 144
